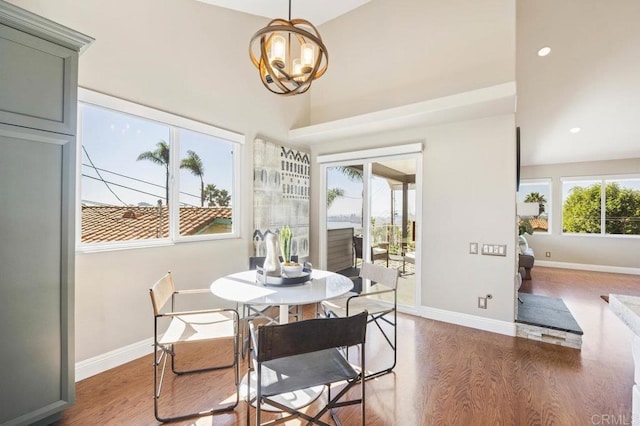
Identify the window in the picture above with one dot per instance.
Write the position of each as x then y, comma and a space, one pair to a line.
601, 206
150, 177
538, 191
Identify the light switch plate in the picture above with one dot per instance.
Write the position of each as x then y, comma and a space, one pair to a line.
473, 248
494, 249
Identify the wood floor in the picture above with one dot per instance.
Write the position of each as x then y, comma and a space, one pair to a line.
446, 374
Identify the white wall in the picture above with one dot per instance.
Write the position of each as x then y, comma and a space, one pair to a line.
389, 53
581, 249
191, 59
468, 195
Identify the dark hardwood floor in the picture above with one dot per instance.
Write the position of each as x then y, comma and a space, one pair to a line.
446, 374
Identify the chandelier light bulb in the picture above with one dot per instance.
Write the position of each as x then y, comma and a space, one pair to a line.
308, 57
278, 56
297, 70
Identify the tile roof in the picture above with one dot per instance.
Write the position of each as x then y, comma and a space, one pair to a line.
113, 223
539, 224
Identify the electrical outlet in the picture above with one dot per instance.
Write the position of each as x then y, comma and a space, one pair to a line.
548, 254
482, 302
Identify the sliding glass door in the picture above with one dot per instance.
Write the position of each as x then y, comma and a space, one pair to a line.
371, 217
344, 219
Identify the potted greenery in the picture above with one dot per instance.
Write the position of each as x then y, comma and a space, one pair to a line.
524, 227
289, 268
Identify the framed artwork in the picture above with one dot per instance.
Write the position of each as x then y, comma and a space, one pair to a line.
281, 194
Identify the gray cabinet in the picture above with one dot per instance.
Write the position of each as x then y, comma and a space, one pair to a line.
38, 86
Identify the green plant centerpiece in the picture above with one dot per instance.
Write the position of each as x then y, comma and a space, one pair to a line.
289, 269
286, 236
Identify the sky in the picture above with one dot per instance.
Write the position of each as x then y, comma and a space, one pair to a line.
114, 140
351, 202
541, 188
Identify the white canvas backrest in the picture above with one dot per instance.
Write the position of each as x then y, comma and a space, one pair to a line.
379, 274
161, 292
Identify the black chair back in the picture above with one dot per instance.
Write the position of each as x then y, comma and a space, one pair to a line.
278, 341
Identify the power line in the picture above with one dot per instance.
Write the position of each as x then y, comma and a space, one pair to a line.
131, 189
100, 176
138, 180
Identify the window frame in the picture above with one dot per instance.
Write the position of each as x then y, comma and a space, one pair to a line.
603, 180
175, 123
549, 211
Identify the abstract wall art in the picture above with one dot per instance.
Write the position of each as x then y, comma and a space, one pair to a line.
281, 194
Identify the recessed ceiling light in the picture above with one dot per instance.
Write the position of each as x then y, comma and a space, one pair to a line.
575, 129
544, 51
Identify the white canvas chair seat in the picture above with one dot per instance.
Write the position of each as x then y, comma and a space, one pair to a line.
378, 251
358, 304
198, 327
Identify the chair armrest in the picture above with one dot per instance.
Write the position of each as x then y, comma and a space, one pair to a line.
187, 292
193, 291
201, 311
390, 290
372, 293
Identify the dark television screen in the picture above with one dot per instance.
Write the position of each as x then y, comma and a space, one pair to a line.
517, 158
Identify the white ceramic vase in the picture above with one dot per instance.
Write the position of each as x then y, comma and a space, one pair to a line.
272, 262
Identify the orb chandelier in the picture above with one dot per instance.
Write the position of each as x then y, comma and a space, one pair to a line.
289, 55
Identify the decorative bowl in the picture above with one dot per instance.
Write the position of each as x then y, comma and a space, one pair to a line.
291, 270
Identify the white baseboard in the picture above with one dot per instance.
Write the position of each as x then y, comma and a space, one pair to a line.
466, 320
92, 366
587, 267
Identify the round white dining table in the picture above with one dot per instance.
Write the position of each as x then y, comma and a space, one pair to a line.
244, 287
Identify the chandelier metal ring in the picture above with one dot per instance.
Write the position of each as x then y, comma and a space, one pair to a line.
280, 76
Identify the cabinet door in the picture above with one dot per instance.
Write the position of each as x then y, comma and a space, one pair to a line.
36, 282
38, 87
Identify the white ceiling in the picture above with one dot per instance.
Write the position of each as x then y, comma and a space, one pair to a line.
315, 11
590, 80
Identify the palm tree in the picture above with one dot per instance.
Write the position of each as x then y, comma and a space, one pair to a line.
216, 197
536, 197
223, 198
353, 173
194, 164
210, 193
159, 156
332, 194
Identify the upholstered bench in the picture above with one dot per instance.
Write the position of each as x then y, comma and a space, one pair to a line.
525, 261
